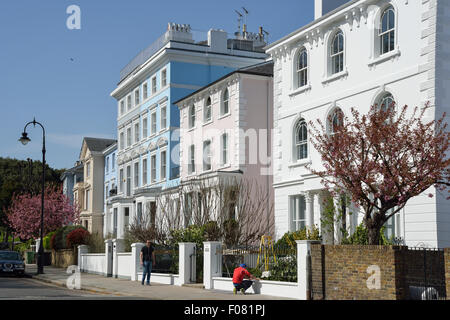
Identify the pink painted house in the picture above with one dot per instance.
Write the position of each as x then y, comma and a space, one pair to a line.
226, 129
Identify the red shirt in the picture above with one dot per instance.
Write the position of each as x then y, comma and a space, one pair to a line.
239, 274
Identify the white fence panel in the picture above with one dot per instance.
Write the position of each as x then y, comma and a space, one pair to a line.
125, 265
93, 263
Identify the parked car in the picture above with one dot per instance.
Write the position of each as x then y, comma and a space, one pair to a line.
11, 262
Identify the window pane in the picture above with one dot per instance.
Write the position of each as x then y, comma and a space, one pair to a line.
384, 23
391, 19
391, 40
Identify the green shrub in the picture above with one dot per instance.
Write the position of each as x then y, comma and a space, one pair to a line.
193, 233
212, 231
288, 239
361, 236
22, 247
47, 239
285, 269
59, 238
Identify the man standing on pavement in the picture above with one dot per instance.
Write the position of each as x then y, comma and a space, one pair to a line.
239, 274
147, 260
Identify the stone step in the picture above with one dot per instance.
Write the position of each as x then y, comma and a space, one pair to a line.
194, 285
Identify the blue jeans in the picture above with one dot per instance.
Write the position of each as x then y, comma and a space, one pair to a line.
147, 271
244, 285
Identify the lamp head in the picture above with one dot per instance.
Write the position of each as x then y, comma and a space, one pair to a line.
24, 139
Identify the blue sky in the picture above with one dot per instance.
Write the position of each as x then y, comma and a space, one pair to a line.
72, 98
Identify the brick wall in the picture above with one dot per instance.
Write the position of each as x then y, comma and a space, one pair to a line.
340, 272
344, 274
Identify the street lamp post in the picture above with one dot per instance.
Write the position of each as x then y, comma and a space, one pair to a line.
24, 140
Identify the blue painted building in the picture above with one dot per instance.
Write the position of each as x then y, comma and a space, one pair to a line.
110, 185
148, 122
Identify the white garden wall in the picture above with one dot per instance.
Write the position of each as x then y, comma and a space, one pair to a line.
271, 288
125, 265
93, 263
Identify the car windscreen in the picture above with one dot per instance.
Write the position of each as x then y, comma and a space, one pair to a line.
9, 256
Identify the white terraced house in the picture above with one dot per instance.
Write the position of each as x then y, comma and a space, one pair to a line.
361, 53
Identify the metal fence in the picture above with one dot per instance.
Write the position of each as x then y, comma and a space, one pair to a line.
426, 274
255, 257
166, 259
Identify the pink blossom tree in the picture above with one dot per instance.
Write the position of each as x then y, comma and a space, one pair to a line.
382, 160
24, 213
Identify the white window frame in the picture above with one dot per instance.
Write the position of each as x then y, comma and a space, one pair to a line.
122, 107
129, 137
129, 102
137, 133
388, 32
154, 85
302, 70
144, 171
298, 144
163, 118
207, 155
163, 168
121, 178
86, 199
137, 97
153, 123
224, 148
225, 101
121, 140
340, 54
192, 116
191, 163
144, 127
145, 91
88, 169
297, 217
163, 78
207, 109
136, 174
153, 167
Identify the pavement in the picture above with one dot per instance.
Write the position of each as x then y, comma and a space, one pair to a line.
98, 284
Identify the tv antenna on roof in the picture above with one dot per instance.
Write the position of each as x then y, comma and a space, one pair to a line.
239, 21
246, 14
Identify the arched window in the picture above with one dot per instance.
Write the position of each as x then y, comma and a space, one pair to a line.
301, 140
302, 68
386, 101
337, 53
225, 98
207, 110
191, 116
336, 120
387, 31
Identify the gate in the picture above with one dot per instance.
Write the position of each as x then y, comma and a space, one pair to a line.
196, 265
426, 274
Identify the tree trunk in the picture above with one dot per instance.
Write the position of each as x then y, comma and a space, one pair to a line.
373, 233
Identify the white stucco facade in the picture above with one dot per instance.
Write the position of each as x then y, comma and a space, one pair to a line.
414, 71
